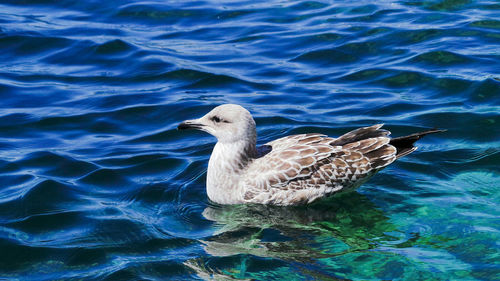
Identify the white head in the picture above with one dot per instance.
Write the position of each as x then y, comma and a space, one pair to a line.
228, 123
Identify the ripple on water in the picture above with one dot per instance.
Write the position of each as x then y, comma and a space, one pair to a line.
96, 182
46, 196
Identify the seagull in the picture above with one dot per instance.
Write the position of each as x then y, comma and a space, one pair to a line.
292, 170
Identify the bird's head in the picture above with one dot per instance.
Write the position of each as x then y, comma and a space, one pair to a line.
228, 123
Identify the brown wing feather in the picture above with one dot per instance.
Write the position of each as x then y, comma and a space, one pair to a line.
291, 158
361, 134
351, 166
318, 164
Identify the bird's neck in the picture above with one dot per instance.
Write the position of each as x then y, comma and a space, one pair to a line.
227, 163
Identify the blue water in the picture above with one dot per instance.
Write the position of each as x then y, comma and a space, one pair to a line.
96, 182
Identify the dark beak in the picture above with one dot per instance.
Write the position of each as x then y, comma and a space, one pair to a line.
189, 125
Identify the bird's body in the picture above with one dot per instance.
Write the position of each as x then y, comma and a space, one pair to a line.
297, 169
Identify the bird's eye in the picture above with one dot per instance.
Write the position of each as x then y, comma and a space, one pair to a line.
215, 119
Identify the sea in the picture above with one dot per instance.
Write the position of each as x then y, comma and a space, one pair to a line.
97, 183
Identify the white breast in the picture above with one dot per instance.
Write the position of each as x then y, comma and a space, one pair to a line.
224, 173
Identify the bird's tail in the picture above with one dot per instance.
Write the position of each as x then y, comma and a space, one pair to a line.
404, 145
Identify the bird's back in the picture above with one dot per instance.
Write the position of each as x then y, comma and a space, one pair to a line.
302, 168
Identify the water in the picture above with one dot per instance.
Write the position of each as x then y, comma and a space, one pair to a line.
97, 183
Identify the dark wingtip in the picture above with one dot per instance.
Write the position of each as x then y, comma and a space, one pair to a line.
418, 135
404, 145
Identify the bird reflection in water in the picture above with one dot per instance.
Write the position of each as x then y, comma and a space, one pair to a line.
344, 224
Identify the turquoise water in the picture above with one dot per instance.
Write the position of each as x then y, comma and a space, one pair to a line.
97, 183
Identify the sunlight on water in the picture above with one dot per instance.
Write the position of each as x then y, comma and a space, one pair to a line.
96, 182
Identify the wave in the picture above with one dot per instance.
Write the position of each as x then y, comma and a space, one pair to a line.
97, 183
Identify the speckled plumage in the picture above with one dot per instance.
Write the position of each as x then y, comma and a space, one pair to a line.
302, 168
297, 169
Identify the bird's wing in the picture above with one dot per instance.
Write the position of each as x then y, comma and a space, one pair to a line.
316, 163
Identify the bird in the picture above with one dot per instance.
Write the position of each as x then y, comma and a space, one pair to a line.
292, 170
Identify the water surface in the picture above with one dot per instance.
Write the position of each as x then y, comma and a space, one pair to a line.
97, 183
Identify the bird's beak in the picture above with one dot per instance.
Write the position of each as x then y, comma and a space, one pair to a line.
190, 124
